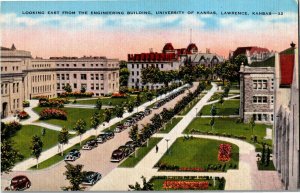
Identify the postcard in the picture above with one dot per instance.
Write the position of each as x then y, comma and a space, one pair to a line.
129, 95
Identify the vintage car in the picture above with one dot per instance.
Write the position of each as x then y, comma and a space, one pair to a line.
147, 112
73, 155
119, 128
109, 134
91, 178
90, 145
19, 183
131, 144
102, 138
120, 153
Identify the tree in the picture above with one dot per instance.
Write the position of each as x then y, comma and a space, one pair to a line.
146, 185
119, 111
83, 89
221, 101
63, 138
95, 121
213, 110
36, 148
80, 128
149, 96
134, 133
9, 156
252, 124
212, 122
99, 104
263, 154
268, 156
107, 115
188, 78
67, 88
130, 107
124, 73
138, 100
75, 175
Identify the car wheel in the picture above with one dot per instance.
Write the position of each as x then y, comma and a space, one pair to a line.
27, 185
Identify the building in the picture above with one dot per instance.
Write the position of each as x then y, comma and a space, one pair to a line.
97, 74
13, 62
257, 92
24, 77
253, 53
169, 59
286, 123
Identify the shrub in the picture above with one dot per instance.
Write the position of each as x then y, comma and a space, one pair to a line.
118, 95
40, 97
26, 104
9, 129
76, 94
53, 102
53, 114
23, 115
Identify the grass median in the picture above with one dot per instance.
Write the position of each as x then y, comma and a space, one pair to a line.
170, 126
131, 161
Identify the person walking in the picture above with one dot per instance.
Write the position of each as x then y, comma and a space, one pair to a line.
156, 148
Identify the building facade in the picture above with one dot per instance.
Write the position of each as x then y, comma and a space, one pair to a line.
286, 124
24, 77
96, 74
253, 53
169, 59
257, 94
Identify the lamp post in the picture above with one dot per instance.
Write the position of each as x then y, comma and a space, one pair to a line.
167, 140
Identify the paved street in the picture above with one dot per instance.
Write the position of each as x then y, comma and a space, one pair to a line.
97, 159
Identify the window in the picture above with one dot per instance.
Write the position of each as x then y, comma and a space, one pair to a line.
75, 85
137, 80
92, 76
67, 65
83, 76
75, 65
272, 84
132, 80
83, 86
97, 64
83, 65
92, 65
75, 76
272, 99
142, 65
63, 76
132, 65
259, 99
137, 73
97, 76
260, 84
62, 64
97, 86
57, 65
132, 73
92, 86
58, 86
17, 87
272, 117
161, 65
58, 76
102, 86
109, 76
67, 77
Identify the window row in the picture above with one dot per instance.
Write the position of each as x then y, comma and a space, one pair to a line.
260, 99
84, 76
39, 78
15, 87
41, 89
16, 103
4, 68
260, 84
41, 65
85, 65
137, 73
148, 65
263, 117
4, 88
92, 86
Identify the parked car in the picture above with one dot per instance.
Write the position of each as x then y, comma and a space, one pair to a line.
102, 138
73, 155
90, 145
147, 111
109, 134
19, 183
131, 144
127, 150
91, 178
117, 156
119, 128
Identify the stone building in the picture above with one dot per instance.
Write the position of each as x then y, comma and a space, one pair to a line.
99, 75
257, 93
253, 53
286, 123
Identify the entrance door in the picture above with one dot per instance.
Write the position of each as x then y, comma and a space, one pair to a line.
4, 110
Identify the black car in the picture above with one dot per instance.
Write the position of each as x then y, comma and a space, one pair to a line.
91, 178
131, 144
147, 112
102, 138
19, 183
109, 134
90, 145
127, 150
120, 128
73, 155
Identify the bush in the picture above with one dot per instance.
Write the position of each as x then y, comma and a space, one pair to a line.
26, 104
9, 129
76, 94
53, 114
40, 97
23, 115
53, 102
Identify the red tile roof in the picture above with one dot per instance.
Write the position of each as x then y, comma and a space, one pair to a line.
252, 49
287, 62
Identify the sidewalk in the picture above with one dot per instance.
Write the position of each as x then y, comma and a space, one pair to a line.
24, 165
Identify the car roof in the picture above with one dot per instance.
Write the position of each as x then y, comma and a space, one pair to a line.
18, 177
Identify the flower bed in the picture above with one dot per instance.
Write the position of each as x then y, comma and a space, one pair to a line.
53, 102
185, 185
23, 115
224, 154
53, 114
76, 94
40, 97
118, 95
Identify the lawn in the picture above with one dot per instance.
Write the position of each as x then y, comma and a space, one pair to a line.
216, 96
73, 114
229, 107
57, 158
108, 101
131, 161
158, 181
170, 126
197, 153
229, 126
23, 138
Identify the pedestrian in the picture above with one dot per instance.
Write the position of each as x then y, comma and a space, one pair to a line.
156, 148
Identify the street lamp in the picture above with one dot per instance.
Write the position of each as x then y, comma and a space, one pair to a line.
167, 140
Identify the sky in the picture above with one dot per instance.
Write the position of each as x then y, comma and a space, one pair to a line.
115, 36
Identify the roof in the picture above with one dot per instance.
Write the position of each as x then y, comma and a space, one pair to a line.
4, 48
207, 56
270, 62
251, 49
191, 46
287, 62
168, 46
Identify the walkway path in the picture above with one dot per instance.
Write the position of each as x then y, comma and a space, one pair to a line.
52, 151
